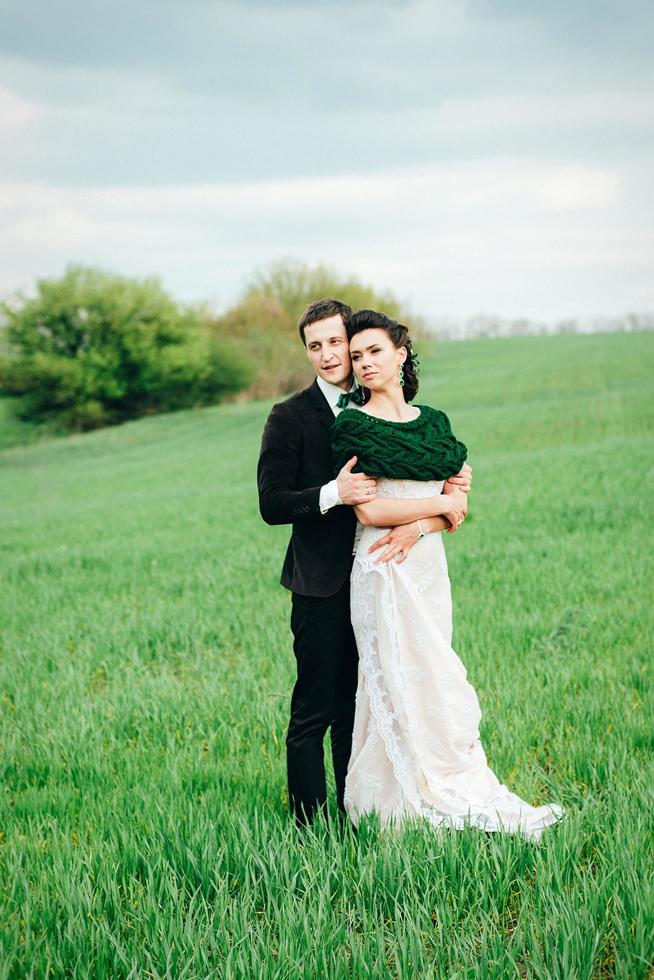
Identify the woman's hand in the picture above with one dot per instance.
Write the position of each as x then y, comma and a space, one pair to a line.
457, 508
398, 543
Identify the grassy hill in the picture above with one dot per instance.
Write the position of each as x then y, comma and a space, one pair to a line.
145, 678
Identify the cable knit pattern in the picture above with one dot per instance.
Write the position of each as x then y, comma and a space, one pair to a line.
420, 449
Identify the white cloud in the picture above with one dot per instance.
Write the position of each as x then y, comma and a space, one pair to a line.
16, 111
19, 118
535, 112
469, 157
534, 237
541, 185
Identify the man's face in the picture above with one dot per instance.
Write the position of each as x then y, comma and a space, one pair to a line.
329, 351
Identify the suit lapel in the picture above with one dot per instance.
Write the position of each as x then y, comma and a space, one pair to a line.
321, 405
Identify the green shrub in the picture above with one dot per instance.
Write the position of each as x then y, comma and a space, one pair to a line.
268, 339
264, 322
91, 349
293, 285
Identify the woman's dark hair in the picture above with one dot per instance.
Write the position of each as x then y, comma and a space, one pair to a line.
398, 333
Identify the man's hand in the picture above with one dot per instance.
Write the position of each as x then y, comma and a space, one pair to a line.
355, 488
461, 480
458, 509
398, 542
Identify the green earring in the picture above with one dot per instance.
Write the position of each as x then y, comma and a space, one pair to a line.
401, 376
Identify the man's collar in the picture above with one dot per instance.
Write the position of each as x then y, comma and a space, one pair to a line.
331, 392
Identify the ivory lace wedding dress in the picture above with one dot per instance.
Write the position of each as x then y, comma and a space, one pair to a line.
416, 748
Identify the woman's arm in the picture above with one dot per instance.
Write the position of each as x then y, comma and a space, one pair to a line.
388, 512
431, 524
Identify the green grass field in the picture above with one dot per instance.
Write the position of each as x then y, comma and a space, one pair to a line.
145, 678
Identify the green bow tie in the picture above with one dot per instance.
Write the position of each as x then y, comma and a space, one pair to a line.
355, 396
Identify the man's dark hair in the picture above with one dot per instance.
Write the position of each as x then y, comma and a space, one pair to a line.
320, 310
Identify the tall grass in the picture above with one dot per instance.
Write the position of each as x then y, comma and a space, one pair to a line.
145, 677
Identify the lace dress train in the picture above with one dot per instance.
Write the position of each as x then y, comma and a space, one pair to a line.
416, 748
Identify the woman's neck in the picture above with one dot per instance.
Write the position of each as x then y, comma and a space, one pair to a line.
390, 404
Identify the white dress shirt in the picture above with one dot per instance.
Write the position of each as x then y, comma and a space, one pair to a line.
329, 492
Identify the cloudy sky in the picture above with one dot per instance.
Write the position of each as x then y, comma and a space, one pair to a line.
473, 156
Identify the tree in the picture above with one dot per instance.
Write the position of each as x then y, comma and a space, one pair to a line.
264, 322
293, 285
267, 338
92, 348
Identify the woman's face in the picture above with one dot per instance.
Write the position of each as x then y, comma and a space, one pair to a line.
376, 360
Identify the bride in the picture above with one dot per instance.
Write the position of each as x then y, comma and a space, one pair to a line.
416, 750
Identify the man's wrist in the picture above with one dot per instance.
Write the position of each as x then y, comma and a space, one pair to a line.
329, 497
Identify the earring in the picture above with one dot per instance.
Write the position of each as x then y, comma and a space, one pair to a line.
401, 376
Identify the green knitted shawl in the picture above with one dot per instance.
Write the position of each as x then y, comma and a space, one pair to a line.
420, 449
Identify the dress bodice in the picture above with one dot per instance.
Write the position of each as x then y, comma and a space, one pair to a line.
399, 490
408, 489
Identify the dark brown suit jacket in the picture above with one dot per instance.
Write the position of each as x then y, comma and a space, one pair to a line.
295, 462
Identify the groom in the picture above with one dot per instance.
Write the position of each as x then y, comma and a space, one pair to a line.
296, 487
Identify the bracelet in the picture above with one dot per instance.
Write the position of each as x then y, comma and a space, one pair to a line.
421, 533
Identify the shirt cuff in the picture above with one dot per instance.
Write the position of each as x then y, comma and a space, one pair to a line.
329, 497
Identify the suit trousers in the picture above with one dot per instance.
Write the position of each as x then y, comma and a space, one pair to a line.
323, 697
